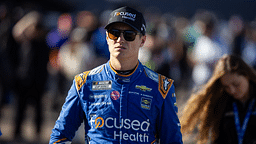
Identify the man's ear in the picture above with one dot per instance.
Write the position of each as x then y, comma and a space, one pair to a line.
143, 40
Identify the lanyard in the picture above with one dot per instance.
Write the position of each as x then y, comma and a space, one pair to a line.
241, 131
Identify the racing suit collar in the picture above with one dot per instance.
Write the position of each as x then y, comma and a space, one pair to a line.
124, 78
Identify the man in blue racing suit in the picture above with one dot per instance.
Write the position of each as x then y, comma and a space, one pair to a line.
121, 101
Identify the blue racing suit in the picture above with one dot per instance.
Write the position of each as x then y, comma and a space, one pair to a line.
135, 108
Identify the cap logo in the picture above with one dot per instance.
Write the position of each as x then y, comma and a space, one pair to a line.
126, 15
143, 27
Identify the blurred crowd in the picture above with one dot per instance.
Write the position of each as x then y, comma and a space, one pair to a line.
41, 52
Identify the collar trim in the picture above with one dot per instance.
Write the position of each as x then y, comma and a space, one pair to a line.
121, 74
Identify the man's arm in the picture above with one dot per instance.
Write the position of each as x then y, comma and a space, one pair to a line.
70, 118
169, 125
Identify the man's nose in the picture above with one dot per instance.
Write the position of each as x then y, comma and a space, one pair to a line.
121, 38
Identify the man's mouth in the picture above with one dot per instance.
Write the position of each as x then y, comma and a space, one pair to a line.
120, 47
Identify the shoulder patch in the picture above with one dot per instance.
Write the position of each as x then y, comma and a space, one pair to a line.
81, 79
151, 74
96, 70
164, 85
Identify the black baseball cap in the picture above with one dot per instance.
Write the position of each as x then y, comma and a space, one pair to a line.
128, 16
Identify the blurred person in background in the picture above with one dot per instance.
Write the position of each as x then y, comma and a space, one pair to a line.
238, 29
121, 101
31, 71
176, 63
8, 52
6, 65
205, 50
145, 53
59, 35
151, 54
55, 39
97, 38
249, 51
224, 109
158, 44
76, 55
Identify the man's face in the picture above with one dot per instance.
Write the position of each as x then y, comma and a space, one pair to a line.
121, 48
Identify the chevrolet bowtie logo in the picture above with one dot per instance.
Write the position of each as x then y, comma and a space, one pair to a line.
146, 102
143, 88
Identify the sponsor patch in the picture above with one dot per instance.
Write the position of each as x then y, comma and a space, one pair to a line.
97, 96
126, 129
146, 103
102, 85
151, 74
136, 93
81, 79
126, 15
115, 95
140, 94
143, 88
164, 85
101, 103
96, 70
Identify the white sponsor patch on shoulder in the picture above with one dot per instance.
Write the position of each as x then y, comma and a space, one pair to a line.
96, 70
151, 74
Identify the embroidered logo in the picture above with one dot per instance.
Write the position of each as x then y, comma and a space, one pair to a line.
115, 95
146, 103
164, 85
102, 85
143, 88
81, 79
126, 15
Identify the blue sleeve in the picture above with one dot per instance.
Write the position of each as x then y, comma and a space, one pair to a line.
70, 118
169, 125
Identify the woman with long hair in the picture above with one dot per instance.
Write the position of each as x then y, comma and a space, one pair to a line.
223, 110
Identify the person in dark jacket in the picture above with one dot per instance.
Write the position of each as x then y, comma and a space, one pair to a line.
31, 71
224, 109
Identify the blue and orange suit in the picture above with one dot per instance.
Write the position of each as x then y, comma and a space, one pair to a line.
135, 108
